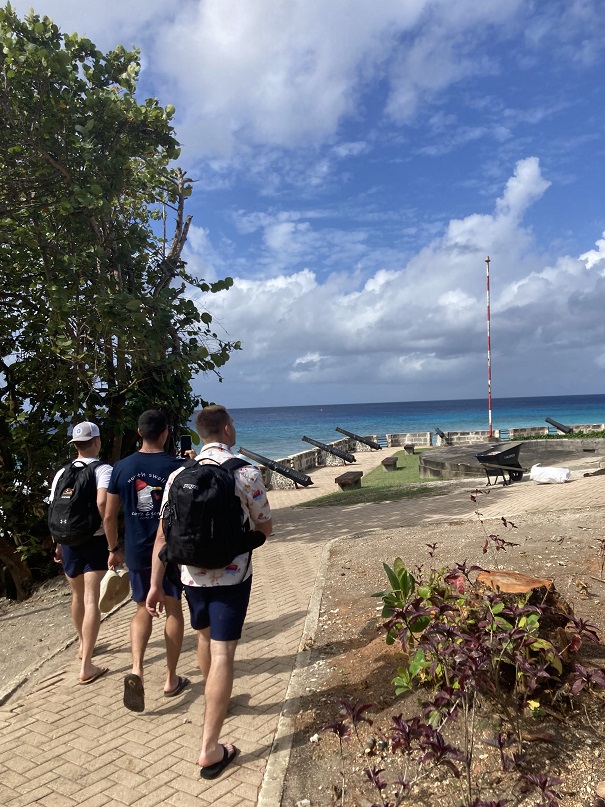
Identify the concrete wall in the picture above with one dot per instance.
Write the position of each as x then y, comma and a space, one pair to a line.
410, 438
468, 438
514, 434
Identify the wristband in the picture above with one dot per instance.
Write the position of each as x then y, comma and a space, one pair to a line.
114, 550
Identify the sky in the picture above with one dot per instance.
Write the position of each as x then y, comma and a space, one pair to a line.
355, 164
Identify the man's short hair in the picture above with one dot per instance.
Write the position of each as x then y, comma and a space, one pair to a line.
152, 423
211, 420
83, 445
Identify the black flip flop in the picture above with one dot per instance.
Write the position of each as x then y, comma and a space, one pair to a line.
181, 684
134, 693
212, 771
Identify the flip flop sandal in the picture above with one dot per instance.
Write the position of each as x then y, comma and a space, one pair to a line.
95, 676
212, 771
181, 684
134, 693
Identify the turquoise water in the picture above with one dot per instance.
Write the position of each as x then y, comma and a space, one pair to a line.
276, 432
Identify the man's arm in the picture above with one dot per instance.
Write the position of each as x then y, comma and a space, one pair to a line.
155, 598
102, 477
101, 501
110, 525
257, 501
266, 527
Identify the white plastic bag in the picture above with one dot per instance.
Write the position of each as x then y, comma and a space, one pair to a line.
546, 475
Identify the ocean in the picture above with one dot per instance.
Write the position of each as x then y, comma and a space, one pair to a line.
276, 431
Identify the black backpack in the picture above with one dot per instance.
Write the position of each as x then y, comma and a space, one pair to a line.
203, 519
73, 515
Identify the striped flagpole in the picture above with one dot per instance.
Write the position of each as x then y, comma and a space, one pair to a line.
489, 354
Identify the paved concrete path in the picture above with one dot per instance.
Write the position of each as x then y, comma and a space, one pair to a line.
64, 744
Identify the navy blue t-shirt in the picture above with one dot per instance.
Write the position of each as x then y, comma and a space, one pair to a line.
139, 481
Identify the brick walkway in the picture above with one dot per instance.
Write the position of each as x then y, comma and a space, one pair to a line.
64, 744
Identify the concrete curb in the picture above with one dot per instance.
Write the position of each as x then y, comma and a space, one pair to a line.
272, 786
24, 677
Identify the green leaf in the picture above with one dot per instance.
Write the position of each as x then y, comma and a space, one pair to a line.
393, 579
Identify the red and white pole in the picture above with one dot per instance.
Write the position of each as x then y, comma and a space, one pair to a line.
489, 354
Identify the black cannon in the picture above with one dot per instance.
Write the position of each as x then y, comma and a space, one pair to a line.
442, 435
290, 473
344, 455
559, 426
499, 461
359, 439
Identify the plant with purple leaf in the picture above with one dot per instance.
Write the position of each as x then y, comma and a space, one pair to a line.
545, 785
583, 678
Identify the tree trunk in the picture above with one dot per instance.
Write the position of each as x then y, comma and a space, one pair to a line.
17, 568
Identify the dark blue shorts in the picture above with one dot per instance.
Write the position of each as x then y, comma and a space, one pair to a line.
90, 556
223, 608
140, 582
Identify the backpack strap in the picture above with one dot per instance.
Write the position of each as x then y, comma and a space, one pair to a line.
234, 464
89, 465
230, 465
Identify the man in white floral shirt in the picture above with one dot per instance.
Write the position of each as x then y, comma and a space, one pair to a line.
218, 598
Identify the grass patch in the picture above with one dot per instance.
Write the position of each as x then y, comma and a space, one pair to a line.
383, 486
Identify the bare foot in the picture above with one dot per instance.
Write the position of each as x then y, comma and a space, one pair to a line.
89, 670
205, 760
92, 673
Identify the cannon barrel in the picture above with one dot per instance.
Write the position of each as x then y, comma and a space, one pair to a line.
344, 455
371, 443
290, 473
559, 426
442, 435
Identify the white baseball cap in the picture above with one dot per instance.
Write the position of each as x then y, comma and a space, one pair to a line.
84, 431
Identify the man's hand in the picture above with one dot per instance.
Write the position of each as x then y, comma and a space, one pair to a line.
155, 601
58, 558
115, 559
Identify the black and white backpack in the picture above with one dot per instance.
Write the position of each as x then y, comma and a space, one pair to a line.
203, 520
73, 515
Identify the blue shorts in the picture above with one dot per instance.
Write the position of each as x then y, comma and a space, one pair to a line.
140, 582
91, 556
223, 608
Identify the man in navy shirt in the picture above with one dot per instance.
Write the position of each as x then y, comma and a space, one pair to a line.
137, 484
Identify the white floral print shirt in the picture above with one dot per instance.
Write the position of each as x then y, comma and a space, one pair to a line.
249, 487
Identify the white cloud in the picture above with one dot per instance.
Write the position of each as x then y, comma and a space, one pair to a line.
595, 257
426, 321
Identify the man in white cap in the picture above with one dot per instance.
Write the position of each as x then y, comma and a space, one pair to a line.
85, 559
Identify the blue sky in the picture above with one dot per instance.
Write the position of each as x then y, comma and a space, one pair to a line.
357, 161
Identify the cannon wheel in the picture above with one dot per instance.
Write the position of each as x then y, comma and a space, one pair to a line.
516, 476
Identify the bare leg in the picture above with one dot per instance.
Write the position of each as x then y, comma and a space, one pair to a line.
77, 606
173, 636
140, 631
203, 651
91, 621
219, 684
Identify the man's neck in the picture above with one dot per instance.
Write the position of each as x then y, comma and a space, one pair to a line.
149, 447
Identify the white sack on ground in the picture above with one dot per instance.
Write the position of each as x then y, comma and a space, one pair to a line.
546, 475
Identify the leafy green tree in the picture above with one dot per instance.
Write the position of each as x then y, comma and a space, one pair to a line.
97, 316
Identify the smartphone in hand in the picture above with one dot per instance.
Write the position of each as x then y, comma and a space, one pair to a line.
185, 444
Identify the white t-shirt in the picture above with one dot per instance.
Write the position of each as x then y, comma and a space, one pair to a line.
102, 477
